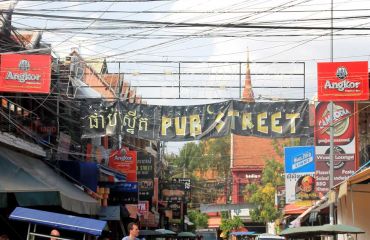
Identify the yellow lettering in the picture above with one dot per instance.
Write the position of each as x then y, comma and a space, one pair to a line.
180, 128
261, 121
247, 121
166, 123
232, 113
292, 117
274, 123
218, 120
195, 126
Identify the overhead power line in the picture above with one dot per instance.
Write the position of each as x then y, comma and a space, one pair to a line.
183, 24
97, 1
190, 12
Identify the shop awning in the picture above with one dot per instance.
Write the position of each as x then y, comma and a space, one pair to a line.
60, 221
110, 213
214, 222
297, 222
112, 175
34, 183
206, 208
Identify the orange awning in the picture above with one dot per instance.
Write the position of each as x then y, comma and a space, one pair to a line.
293, 208
214, 222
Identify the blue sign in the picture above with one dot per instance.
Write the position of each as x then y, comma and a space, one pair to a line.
299, 159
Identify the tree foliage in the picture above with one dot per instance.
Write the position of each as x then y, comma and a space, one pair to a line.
229, 224
199, 219
216, 154
194, 160
263, 195
190, 155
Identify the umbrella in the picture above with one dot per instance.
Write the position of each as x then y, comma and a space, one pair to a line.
244, 233
186, 234
165, 231
148, 233
326, 229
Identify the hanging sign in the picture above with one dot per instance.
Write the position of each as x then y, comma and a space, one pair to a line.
344, 144
25, 73
343, 81
124, 161
185, 123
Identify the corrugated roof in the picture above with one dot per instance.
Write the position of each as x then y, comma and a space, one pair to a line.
359, 177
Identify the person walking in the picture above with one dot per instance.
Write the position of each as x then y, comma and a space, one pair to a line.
133, 229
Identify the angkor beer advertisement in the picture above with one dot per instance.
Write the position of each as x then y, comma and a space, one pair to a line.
25, 73
124, 161
299, 173
342, 81
344, 143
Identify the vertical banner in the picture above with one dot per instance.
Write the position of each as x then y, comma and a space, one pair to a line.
344, 143
299, 173
124, 161
145, 176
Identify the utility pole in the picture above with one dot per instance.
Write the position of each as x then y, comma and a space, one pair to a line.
331, 169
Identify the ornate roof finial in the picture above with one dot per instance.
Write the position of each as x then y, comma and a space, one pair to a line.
248, 95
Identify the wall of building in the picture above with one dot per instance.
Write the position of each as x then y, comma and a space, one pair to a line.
354, 208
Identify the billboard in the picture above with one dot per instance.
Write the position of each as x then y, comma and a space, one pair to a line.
299, 173
343, 81
344, 143
25, 73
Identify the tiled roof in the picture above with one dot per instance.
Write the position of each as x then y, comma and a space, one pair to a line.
112, 79
252, 151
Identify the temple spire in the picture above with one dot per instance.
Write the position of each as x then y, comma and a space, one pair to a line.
248, 95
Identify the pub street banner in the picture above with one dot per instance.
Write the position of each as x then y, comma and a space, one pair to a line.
195, 122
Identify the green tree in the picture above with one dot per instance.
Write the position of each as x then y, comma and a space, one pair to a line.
216, 154
188, 159
263, 195
199, 219
229, 224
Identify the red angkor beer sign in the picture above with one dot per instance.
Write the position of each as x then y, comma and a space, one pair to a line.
25, 73
343, 81
124, 161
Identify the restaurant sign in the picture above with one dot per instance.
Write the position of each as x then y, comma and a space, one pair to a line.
344, 143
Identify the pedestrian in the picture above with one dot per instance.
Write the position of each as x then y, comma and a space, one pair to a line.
54, 233
133, 229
